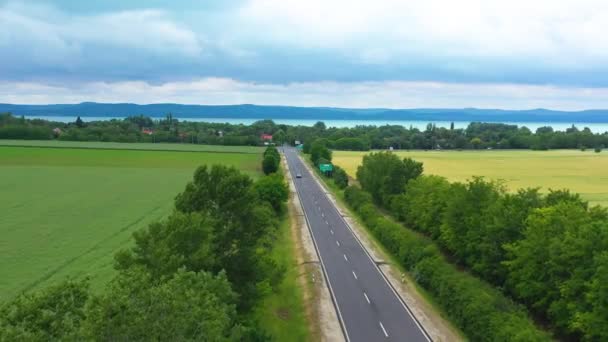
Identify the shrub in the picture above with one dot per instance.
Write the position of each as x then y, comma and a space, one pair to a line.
340, 177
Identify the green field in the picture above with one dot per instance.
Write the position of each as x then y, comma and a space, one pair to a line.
65, 211
132, 146
582, 172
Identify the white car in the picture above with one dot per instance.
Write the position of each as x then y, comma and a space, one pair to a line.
298, 175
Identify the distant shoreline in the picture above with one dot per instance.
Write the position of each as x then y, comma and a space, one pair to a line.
420, 124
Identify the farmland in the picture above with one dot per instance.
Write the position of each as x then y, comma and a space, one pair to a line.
582, 172
66, 211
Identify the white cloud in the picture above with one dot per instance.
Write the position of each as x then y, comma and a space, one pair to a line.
47, 36
388, 94
563, 32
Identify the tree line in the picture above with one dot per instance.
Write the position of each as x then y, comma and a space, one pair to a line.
197, 275
477, 135
547, 252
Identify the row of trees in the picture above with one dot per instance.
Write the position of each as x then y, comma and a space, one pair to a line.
548, 252
482, 312
361, 138
198, 275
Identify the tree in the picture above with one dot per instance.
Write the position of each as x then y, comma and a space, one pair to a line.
463, 224
318, 150
183, 240
384, 175
553, 264
476, 143
273, 190
186, 306
340, 177
79, 123
270, 164
54, 313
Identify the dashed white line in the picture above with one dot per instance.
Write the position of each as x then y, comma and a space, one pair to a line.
322, 214
366, 298
338, 243
331, 231
326, 222
345, 258
355, 275
383, 330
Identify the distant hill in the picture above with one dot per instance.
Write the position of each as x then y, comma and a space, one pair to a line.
248, 111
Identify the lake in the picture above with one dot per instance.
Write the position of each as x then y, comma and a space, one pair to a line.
558, 126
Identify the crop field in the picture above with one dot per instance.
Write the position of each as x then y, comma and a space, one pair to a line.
582, 172
131, 146
65, 212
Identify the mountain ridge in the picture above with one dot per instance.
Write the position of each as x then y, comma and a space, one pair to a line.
252, 111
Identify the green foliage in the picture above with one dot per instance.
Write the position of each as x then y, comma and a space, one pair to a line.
553, 265
184, 240
319, 151
384, 175
418, 207
270, 164
55, 313
351, 144
538, 249
271, 161
361, 138
274, 190
186, 306
483, 313
79, 123
340, 177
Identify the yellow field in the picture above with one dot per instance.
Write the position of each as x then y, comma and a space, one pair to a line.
582, 172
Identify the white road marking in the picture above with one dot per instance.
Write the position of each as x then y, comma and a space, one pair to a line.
355, 275
383, 330
366, 298
345, 258
326, 222
322, 214
338, 243
331, 231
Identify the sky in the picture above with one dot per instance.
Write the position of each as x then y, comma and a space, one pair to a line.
515, 54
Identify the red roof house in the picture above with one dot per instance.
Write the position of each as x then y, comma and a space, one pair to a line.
266, 137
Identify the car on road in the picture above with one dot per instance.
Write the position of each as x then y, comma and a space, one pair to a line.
298, 175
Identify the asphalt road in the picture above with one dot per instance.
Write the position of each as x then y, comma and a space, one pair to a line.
368, 307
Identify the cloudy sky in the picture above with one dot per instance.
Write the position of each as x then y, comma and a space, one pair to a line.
511, 54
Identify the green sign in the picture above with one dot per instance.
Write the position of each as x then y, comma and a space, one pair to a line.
326, 167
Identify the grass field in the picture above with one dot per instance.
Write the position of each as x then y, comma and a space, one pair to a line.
132, 146
66, 211
582, 172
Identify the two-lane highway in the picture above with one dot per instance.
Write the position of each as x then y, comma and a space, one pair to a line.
368, 307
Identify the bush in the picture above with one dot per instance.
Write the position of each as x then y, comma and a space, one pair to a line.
271, 161
340, 177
